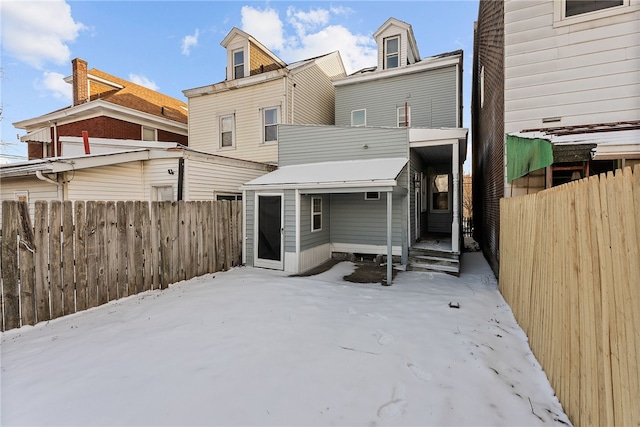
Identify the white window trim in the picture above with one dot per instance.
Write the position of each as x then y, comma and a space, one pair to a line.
560, 20
386, 55
263, 124
313, 214
400, 110
155, 133
156, 189
233, 131
366, 195
244, 63
365, 117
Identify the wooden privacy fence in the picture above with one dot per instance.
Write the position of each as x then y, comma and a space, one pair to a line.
83, 254
570, 270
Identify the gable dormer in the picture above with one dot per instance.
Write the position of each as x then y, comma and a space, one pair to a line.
247, 57
396, 45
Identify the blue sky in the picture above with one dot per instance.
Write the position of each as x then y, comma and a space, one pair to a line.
171, 46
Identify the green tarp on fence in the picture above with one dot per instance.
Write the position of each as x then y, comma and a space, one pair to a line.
525, 155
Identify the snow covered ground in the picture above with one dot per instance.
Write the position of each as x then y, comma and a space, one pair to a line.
255, 347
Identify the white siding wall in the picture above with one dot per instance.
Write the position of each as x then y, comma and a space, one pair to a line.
585, 72
156, 174
38, 190
206, 179
119, 182
246, 103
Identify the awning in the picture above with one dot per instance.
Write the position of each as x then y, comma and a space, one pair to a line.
39, 135
525, 155
339, 176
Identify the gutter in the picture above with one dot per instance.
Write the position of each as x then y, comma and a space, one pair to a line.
44, 178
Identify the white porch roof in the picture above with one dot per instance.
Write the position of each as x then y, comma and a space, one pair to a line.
338, 176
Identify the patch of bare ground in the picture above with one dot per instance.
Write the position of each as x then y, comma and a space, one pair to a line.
365, 272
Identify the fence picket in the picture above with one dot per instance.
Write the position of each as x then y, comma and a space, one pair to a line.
68, 268
10, 272
26, 251
41, 220
111, 237
581, 315
55, 259
80, 256
121, 221
83, 254
91, 247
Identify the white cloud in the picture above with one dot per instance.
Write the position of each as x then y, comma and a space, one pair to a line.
55, 84
37, 32
190, 41
313, 35
143, 80
264, 25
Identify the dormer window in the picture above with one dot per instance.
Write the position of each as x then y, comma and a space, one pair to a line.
392, 52
238, 64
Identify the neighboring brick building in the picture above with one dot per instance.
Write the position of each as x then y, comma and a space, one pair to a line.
106, 107
487, 128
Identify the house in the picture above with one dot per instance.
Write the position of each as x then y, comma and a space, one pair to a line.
556, 97
127, 170
238, 117
106, 106
381, 181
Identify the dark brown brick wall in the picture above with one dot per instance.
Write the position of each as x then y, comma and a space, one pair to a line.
487, 123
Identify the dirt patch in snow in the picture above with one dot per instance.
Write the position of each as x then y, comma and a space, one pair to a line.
365, 272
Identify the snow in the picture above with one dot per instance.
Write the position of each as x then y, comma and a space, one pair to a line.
255, 347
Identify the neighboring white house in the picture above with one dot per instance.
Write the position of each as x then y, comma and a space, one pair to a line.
127, 170
556, 97
572, 69
238, 117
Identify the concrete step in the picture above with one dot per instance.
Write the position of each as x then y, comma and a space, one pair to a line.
449, 269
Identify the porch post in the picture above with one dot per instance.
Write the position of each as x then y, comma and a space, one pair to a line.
455, 225
389, 238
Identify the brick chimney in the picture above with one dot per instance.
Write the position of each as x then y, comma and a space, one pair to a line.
80, 81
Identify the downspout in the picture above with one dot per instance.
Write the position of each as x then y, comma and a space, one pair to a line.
180, 177
44, 178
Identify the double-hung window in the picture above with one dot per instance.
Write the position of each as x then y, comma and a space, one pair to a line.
404, 116
238, 64
270, 119
392, 52
316, 213
227, 138
359, 118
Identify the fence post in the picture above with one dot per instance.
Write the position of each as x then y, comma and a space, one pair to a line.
10, 265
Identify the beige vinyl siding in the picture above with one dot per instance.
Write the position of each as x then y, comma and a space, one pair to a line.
38, 190
584, 72
332, 66
118, 182
156, 174
246, 103
314, 98
205, 179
